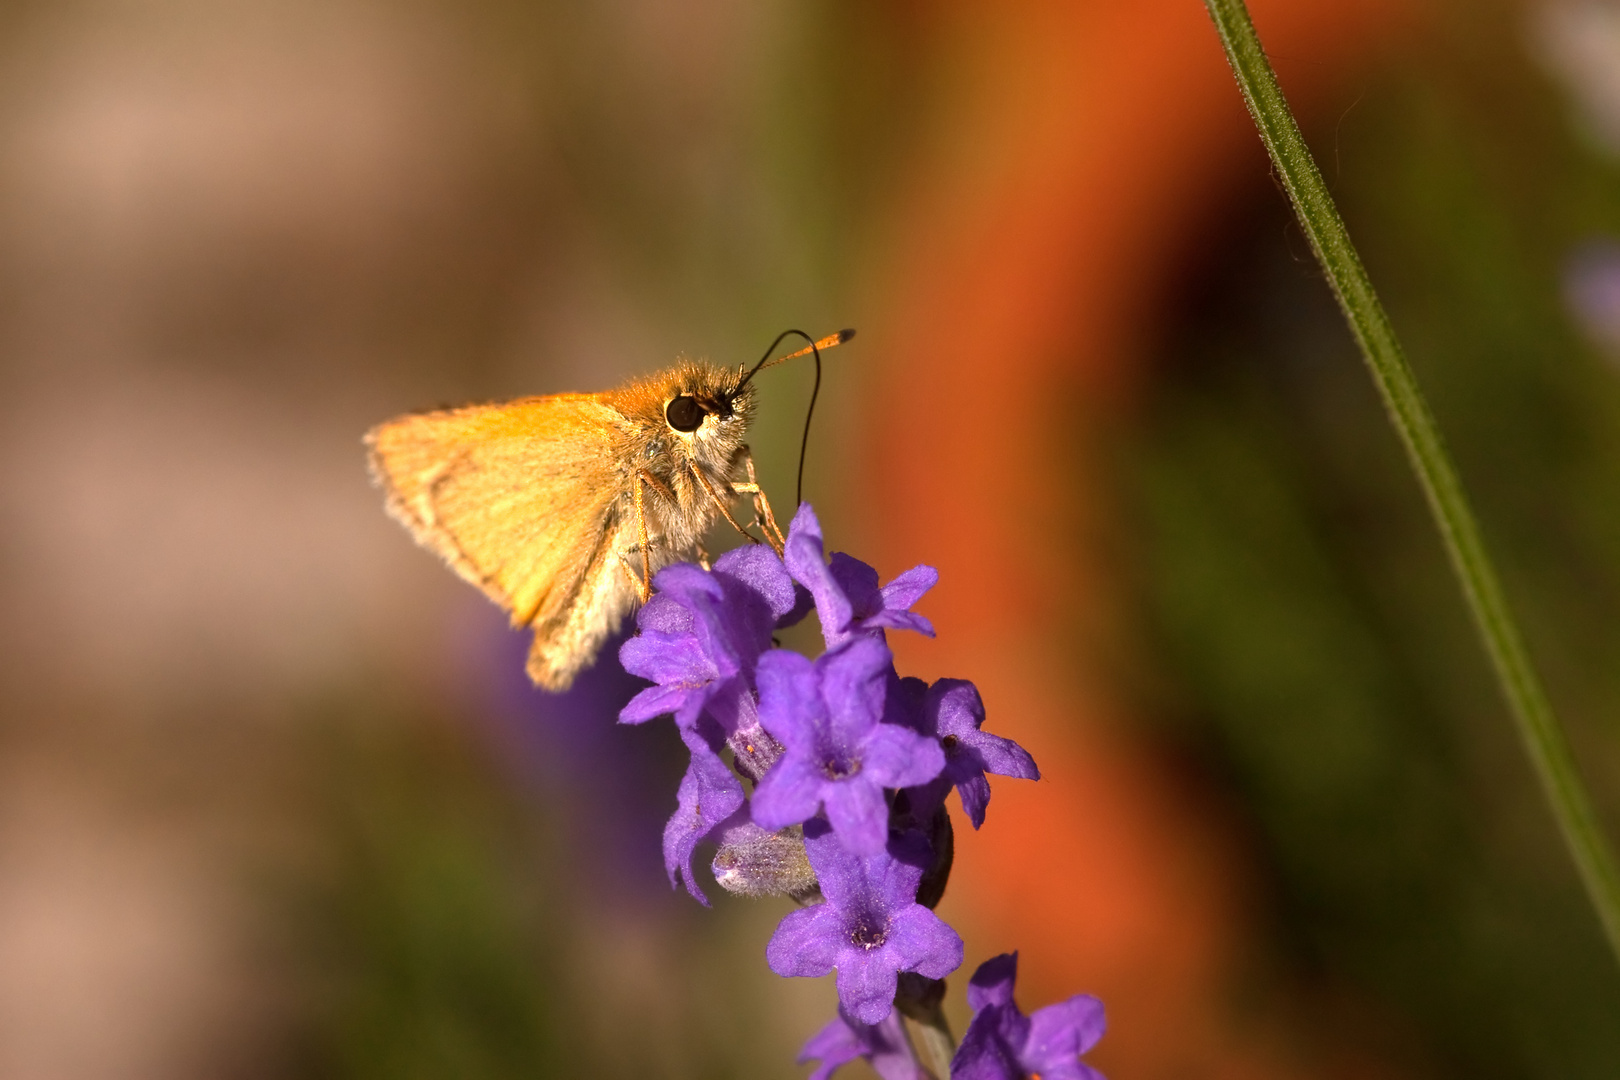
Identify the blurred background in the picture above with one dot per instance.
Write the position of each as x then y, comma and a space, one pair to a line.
275, 797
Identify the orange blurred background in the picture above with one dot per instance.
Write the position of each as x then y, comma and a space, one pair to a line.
1097, 143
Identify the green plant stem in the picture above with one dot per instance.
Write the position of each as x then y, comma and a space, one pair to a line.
935, 1035
1544, 740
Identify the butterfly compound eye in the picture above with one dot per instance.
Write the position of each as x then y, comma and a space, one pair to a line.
684, 413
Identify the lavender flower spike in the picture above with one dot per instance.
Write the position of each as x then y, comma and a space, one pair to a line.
701, 636
1003, 1044
870, 928
839, 755
883, 1044
848, 600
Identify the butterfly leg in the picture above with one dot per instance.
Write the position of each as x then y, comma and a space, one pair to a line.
703, 557
762, 505
630, 572
726, 511
644, 586
762, 515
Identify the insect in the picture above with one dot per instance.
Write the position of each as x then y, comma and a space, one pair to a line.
562, 507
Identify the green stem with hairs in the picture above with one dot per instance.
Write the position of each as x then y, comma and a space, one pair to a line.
1543, 738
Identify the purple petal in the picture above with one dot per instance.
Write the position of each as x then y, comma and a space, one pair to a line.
886, 881
687, 582
834, 1045
897, 620
667, 659
732, 706
845, 1039
993, 982
876, 896
954, 712
854, 684
983, 1055
1060, 1033
858, 814
953, 707
896, 877
709, 794
890, 1053
975, 793
866, 983
757, 567
788, 794
989, 1049
745, 617
1002, 757
652, 702
898, 757
859, 583
805, 562
665, 615
789, 699
691, 710
922, 942
842, 875
807, 943
728, 620
903, 592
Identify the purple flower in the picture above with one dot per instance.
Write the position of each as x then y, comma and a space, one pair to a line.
709, 793
1003, 1044
870, 928
700, 638
838, 752
848, 600
845, 1039
953, 712
704, 630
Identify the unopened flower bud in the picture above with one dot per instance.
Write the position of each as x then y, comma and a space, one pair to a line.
754, 862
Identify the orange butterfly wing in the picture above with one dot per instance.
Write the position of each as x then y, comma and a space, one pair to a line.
519, 499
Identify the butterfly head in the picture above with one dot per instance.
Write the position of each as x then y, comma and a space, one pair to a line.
702, 401
696, 413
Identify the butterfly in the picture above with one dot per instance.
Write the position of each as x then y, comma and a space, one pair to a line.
562, 507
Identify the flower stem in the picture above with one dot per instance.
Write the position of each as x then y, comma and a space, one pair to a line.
934, 1033
1544, 740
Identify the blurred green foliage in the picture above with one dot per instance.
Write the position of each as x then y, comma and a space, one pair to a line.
458, 922
434, 933
1320, 656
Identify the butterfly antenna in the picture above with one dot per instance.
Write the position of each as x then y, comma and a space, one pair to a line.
765, 361
812, 349
804, 440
